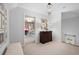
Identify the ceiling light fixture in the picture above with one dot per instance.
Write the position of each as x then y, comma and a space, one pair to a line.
49, 6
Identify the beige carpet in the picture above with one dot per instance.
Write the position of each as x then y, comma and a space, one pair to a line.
51, 48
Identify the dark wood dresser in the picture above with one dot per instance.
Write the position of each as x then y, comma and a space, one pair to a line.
45, 36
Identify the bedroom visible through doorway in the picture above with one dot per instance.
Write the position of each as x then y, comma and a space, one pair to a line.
29, 29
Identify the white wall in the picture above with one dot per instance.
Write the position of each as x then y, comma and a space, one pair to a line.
17, 24
56, 16
55, 25
71, 25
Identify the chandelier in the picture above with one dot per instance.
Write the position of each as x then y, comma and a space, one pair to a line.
49, 7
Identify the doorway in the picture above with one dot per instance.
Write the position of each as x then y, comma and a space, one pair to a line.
29, 29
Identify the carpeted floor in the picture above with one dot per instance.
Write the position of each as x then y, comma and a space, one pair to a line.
51, 48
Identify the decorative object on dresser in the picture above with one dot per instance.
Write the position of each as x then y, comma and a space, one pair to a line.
45, 36
44, 24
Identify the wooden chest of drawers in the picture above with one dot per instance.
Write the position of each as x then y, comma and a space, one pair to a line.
45, 36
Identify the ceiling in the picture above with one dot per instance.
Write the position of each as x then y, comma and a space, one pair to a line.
42, 7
